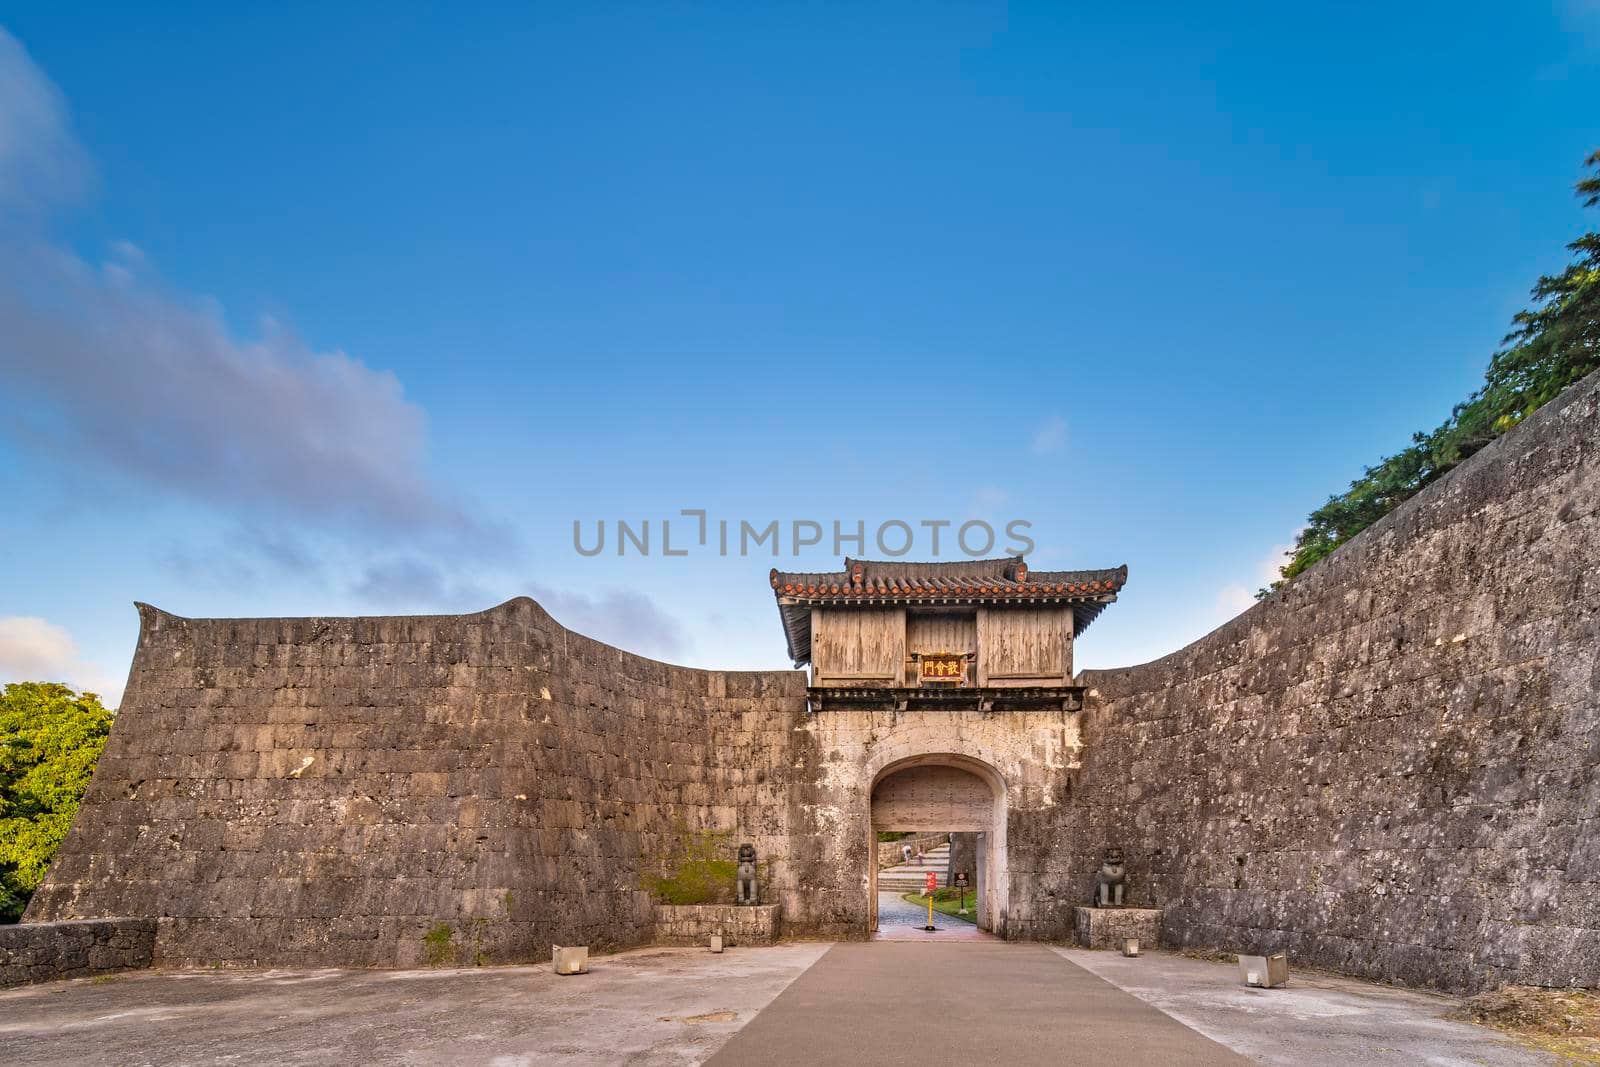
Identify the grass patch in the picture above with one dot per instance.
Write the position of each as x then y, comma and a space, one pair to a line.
947, 902
699, 867
1565, 1022
437, 948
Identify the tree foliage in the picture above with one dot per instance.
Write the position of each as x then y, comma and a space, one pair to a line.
1553, 344
50, 738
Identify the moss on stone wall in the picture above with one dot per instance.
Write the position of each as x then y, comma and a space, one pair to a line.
695, 869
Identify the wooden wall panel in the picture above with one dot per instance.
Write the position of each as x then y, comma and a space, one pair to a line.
941, 632
945, 631
854, 645
933, 798
1024, 646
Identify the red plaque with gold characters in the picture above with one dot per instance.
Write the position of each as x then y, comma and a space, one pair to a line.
943, 667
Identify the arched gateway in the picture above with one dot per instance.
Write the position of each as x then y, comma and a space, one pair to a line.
952, 684
947, 793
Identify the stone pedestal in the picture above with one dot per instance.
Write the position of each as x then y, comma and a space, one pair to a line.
1109, 927
569, 959
693, 924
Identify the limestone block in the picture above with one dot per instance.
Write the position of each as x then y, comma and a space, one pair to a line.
1265, 972
570, 959
1108, 928
695, 924
47, 952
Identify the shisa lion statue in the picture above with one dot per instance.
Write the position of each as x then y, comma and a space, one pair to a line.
745, 886
1111, 880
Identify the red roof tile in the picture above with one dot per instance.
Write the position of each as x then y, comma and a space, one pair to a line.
1007, 580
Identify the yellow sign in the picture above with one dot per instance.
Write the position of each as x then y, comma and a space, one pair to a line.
943, 667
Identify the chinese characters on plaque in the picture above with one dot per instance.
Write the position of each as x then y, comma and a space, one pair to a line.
943, 667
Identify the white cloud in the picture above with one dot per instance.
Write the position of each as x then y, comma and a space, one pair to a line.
623, 618
34, 650
1236, 597
41, 163
412, 584
1580, 19
120, 374
1050, 437
1270, 568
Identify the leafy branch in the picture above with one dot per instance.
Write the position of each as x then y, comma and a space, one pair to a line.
1552, 344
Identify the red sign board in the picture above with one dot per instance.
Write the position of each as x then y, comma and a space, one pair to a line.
933, 882
943, 667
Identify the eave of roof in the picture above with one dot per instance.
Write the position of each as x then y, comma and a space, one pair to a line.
1007, 580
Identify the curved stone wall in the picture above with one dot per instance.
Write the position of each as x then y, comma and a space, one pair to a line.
394, 790
1390, 766
388, 791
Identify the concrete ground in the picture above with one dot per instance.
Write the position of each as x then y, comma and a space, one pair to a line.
1316, 1018
651, 1006
810, 1003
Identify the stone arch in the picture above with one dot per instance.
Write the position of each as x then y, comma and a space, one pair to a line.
947, 781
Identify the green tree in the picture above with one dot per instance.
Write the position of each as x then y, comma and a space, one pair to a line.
1553, 344
50, 738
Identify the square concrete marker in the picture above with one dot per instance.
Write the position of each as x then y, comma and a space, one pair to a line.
716, 942
1264, 972
1130, 946
570, 960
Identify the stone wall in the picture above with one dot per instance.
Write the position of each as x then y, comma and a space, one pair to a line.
693, 924
47, 952
337, 790
1389, 767
357, 790
964, 857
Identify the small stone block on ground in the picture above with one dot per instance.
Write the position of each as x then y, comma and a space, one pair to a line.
1264, 972
570, 960
1109, 928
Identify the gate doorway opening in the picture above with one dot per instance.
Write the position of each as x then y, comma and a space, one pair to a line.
940, 815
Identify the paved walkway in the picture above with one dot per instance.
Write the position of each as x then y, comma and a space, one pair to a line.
900, 920
965, 1004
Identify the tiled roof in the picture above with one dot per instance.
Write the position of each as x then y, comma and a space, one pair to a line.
985, 581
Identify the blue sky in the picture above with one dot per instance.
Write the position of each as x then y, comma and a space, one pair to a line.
355, 311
